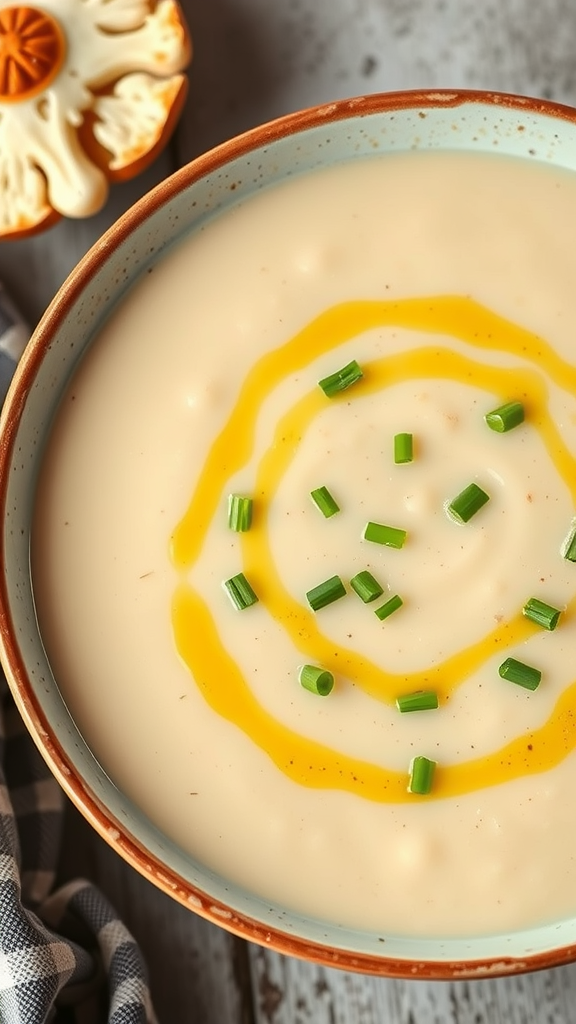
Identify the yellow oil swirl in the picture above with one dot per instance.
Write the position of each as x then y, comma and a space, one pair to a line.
303, 760
298, 621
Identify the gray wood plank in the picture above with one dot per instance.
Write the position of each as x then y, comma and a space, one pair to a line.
291, 992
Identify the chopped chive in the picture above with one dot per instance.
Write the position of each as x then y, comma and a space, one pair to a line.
325, 593
467, 503
324, 501
240, 592
388, 535
239, 513
317, 680
518, 672
569, 546
542, 614
422, 700
342, 379
367, 588
403, 448
421, 775
505, 417
388, 607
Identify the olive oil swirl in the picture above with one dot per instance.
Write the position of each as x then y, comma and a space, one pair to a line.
304, 760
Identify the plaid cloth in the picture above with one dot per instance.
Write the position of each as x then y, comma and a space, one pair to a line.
65, 957
59, 951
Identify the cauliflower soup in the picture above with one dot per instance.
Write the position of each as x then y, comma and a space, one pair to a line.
330, 439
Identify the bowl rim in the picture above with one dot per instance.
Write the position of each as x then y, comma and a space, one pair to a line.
107, 825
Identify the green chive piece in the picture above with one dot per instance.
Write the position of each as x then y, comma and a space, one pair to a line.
342, 379
325, 593
240, 592
388, 535
239, 513
518, 672
317, 680
324, 501
422, 700
421, 775
569, 546
403, 448
467, 503
367, 588
542, 614
505, 417
388, 607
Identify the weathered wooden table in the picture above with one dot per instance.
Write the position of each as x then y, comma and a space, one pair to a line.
254, 60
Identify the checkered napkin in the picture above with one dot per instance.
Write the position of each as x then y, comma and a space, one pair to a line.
65, 957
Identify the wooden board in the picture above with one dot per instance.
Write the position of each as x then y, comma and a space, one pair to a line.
287, 991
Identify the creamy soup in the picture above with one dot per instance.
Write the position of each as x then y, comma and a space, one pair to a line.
448, 280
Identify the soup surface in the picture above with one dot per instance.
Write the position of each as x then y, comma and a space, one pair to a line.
449, 280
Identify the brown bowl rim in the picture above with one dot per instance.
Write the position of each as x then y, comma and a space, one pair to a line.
87, 802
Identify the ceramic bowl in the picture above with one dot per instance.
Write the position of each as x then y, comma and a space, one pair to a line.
399, 122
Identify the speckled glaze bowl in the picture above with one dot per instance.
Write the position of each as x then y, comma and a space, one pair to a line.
352, 129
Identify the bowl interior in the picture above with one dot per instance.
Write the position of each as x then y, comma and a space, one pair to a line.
344, 131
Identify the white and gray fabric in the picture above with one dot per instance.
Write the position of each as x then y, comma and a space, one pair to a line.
65, 957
